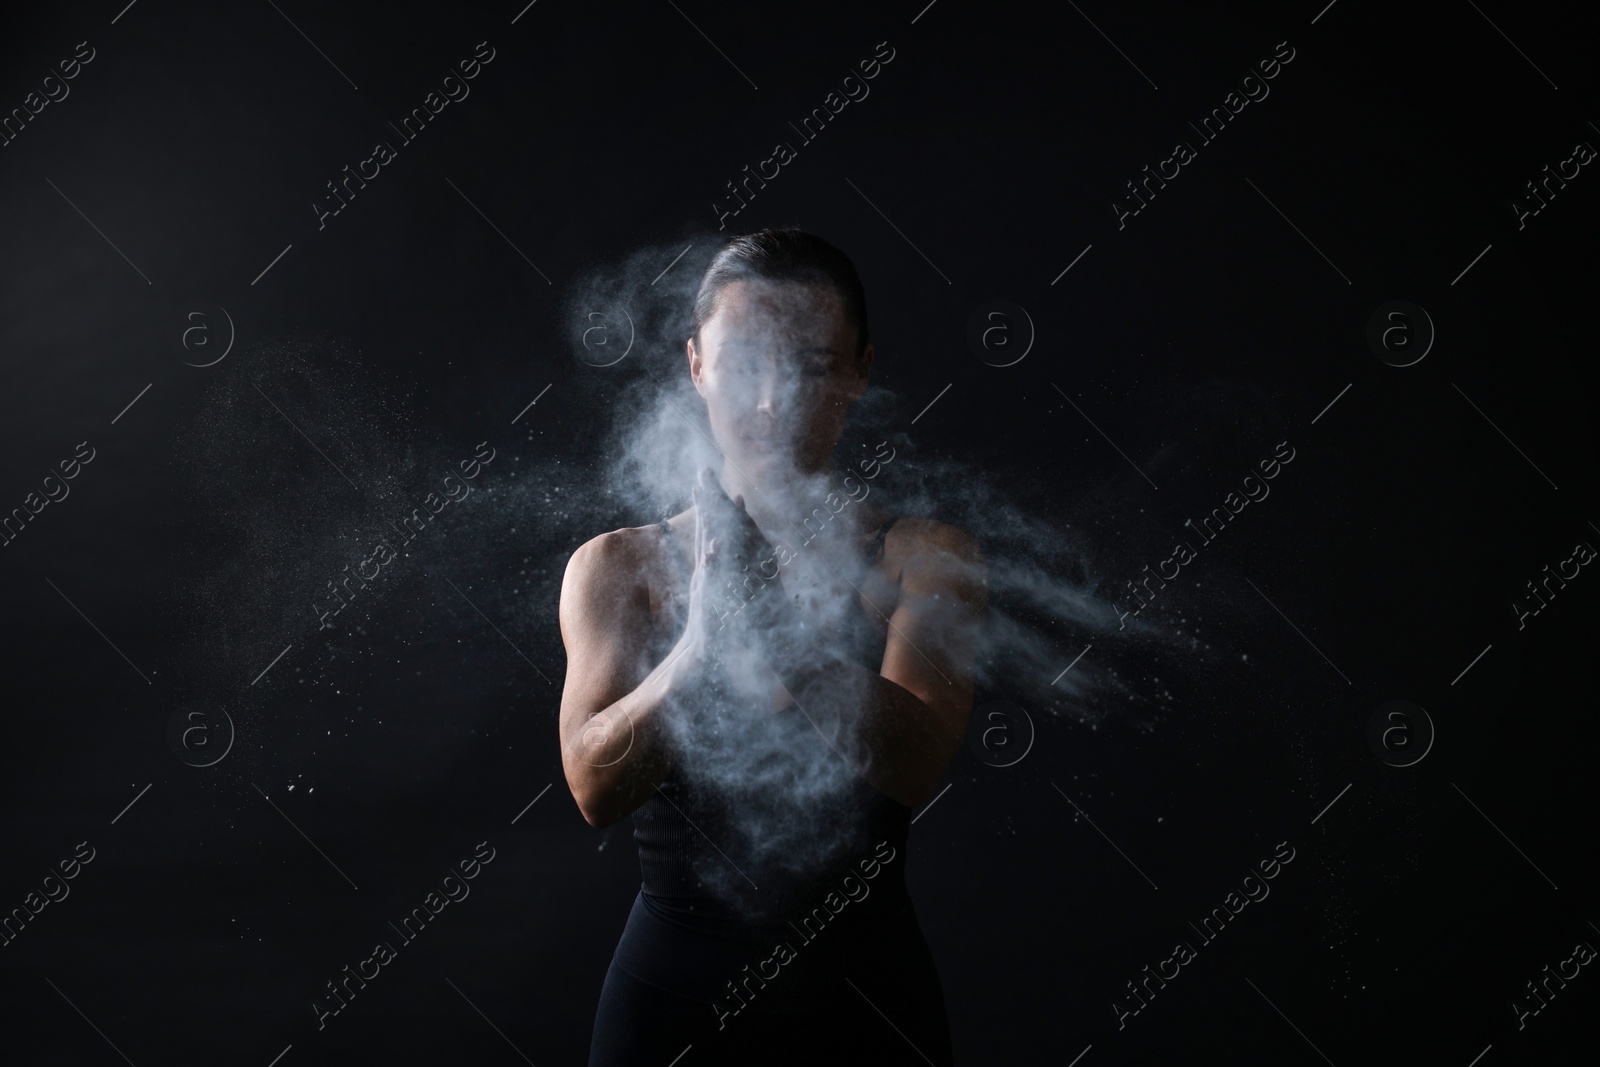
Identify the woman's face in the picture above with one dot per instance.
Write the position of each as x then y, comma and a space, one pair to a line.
776, 365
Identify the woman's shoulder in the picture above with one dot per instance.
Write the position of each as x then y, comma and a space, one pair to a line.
620, 555
911, 537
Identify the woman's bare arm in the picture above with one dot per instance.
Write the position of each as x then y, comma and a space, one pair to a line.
611, 748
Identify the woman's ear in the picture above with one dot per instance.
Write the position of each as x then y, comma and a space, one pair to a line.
695, 365
863, 371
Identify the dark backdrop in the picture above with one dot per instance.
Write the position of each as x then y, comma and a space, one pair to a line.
172, 588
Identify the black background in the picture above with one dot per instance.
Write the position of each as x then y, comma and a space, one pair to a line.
409, 329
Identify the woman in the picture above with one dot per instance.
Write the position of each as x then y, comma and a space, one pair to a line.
770, 746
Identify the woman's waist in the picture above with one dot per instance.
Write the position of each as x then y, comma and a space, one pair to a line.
672, 944
688, 877
776, 904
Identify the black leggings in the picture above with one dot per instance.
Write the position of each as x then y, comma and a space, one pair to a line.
864, 990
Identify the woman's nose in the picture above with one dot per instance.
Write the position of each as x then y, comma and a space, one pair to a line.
769, 388
767, 396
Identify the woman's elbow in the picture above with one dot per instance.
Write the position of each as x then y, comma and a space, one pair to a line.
586, 796
595, 812
596, 800
598, 817
922, 791
922, 778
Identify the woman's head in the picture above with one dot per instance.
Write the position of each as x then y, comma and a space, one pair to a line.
780, 348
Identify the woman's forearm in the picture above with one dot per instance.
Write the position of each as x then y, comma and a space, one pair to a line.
617, 759
900, 747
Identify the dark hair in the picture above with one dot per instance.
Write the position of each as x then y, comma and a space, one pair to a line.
784, 255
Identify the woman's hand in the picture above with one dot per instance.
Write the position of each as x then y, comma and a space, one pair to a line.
708, 604
742, 549
731, 613
737, 558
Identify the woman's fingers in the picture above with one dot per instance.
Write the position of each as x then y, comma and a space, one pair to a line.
694, 496
725, 523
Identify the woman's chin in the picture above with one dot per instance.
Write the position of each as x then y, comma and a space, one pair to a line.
768, 459
782, 460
